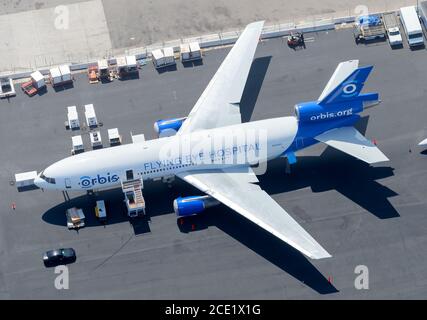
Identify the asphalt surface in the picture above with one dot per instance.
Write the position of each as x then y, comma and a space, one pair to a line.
363, 215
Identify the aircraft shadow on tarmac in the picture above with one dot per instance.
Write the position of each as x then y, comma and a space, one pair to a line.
262, 243
334, 171
116, 211
253, 86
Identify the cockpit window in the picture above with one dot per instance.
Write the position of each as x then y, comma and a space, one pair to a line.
47, 179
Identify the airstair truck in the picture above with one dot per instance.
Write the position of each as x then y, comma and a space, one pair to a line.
135, 203
75, 218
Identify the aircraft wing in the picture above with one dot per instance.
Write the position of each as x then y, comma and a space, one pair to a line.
219, 104
234, 187
350, 141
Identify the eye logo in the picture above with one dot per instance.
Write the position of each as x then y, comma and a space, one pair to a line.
87, 181
349, 88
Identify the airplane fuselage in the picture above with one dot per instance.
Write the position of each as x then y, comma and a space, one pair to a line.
236, 145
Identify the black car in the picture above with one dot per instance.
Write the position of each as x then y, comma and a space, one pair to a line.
59, 256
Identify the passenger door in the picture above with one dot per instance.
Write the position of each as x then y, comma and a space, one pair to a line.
129, 175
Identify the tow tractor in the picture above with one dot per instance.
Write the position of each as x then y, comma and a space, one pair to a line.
93, 74
295, 40
104, 73
35, 84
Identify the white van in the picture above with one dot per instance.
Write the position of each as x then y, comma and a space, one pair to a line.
412, 26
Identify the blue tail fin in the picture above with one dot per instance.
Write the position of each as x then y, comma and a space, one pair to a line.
349, 88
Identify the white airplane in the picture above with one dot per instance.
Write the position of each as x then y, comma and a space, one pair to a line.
215, 152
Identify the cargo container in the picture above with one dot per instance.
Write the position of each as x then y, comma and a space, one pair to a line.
185, 52
127, 66
60, 75
195, 52
158, 58
25, 179
169, 56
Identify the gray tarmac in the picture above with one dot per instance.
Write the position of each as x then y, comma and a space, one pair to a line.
363, 215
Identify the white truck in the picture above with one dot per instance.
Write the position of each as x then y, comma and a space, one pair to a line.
73, 118
392, 28
78, 146
411, 25
95, 140
90, 116
114, 137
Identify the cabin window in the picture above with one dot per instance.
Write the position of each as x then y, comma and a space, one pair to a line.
47, 179
415, 36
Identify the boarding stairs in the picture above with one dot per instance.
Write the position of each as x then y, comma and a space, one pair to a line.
134, 199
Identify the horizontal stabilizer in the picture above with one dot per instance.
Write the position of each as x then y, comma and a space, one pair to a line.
350, 141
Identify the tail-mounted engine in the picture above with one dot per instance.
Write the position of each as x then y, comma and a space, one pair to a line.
315, 112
